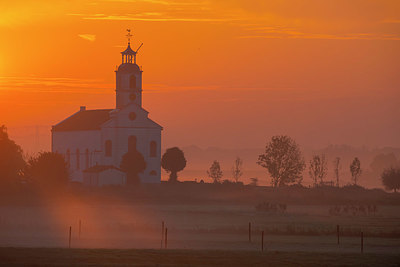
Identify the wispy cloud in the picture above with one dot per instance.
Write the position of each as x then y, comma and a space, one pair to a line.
160, 18
53, 84
280, 32
89, 37
159, 2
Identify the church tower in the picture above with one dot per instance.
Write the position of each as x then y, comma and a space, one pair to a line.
128, 78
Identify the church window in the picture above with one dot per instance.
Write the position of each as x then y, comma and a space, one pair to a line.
132, 97
77, 159
108, 148
153, 173
132, 82
132, 116
132, 143
87, 158
153, 149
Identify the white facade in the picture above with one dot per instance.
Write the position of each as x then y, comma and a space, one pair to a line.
108, 176
102, 137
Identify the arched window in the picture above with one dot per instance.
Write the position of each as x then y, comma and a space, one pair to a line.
87, 158
77, 159
108, 148
132, 143
132, 82
153, 149
68, 157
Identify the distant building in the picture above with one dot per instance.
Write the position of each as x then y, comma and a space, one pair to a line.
101, 137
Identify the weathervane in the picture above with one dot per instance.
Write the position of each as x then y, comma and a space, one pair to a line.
129, 35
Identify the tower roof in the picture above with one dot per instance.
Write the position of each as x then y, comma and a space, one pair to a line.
128, 50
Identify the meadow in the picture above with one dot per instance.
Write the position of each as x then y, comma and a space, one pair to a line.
211, 220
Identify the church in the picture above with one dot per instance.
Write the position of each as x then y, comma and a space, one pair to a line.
94, 141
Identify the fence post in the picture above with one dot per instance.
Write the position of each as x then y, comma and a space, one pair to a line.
166, 237
69, 241
362, 242
162, 234
250, 232
337, 233
80, 228
262, 241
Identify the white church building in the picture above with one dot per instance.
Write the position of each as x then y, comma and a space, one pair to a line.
94, 141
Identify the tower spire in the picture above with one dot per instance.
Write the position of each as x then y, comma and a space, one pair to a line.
128, 55
129, 35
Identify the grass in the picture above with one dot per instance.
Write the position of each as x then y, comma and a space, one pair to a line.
138, 257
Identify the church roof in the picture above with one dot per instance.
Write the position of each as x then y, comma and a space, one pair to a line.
84, 120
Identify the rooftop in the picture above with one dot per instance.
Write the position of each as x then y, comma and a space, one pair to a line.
84, 120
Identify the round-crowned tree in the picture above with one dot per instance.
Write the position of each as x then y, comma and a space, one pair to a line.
132, 164
283, 160
173, 161
48, 171
391, 179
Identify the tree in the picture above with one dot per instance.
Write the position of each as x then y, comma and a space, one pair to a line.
336, 168
132, 164
237, 169
391, 179
48, 170
283, 160
11, 160
355, 170
318, 169
173, 161
215, 172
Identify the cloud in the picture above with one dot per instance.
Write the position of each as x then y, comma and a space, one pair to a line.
53, 84
89, 37
280, 32
151, 17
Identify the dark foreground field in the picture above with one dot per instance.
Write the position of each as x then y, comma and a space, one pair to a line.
129, 257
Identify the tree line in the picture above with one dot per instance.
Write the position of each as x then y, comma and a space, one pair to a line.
282, 159
285, 164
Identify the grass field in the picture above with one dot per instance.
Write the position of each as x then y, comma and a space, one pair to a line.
124, 230
301, 228
118, 257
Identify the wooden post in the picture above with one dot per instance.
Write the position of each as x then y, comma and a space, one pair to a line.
362, 242
166, 237
80, 229
337, 233
162, 234
262, 241
250, 232
69, 242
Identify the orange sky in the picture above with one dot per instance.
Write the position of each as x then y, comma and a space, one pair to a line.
216, 73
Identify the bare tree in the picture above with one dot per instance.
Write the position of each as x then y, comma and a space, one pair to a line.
237, 169
318, 169
355, 169
283, 160
336, 168
215, 172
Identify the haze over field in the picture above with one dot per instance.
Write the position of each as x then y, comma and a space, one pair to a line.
227, 74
